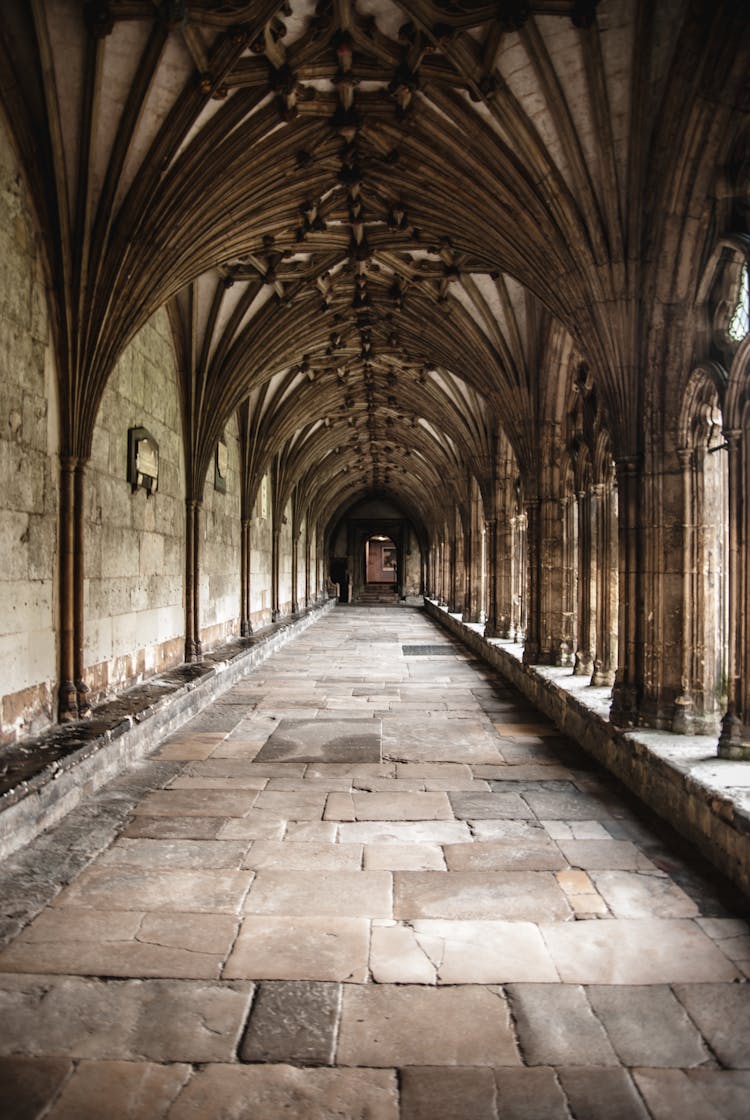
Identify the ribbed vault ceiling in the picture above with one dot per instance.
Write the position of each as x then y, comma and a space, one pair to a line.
368, 218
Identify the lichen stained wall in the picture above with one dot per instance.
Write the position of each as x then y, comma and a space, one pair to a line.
29, 469
220, 560
285, 562
134, 545
261, 539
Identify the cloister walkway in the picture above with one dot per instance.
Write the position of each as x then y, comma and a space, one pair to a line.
371, 882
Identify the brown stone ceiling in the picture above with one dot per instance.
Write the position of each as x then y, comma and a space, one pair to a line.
372, 222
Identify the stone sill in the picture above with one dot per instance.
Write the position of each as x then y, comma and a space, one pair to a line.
43, 778
680, 777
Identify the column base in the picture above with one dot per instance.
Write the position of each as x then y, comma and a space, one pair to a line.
624, 709
602, 677
67, 700
82, 699
734, 741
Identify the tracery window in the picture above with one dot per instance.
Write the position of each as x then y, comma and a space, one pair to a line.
739, 323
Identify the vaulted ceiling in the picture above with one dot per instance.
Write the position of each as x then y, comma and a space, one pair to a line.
372, 222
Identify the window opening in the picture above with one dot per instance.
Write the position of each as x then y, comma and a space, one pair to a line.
739, 324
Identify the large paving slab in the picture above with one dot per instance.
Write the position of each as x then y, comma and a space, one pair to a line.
369, 884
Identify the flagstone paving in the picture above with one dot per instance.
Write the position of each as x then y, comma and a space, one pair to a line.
370, 882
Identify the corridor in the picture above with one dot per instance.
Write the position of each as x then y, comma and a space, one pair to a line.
370, 882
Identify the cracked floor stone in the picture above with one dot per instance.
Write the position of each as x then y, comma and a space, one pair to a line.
369, 882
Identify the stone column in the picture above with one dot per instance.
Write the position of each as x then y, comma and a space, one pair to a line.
532, 643
453, 606
553, 642
193, 646
308, 556
606, 596
246, 627
467, 613
629, 675
295, 571
490, 533
584, 659
569, 519
67, 698
275, 546
682, 720
734, 741
82, 689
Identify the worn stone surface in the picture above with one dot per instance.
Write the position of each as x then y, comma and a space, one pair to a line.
310, 1094
456, 952
343, 740
647, 1026
525, 895
632, 895
595, 1093
119, 1091
27, 1085
151, 939
300, 948
440, 1093
404, 1026
129, 1020
303, 856
403, 857
94, 943
293, 1022
341, 893
530, 1094
556, 1026
494, 806
126, 888
722, 1014
533, 853
182, 854
709, 1094
645, 951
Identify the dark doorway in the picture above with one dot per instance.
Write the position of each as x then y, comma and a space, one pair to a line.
381, 559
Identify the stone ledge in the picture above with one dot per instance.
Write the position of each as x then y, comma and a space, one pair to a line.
43, 778
704, 797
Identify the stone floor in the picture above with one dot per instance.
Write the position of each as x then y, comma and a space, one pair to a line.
369, 882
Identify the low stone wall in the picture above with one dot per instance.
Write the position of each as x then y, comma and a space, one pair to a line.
47, 777
705, 798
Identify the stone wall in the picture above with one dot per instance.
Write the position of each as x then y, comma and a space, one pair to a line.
28, 469
285, 562
260, 557
134, 547
221, 547
412, 564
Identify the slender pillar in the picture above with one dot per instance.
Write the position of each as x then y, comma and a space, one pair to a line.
275, 545
67, 697
532, 644
467, 613
682, 720
246, 626
734, 741
82, 689
606, 571
584, 660
491, 625
628, 678
308, 555
193, 647
453, 573
295, 572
